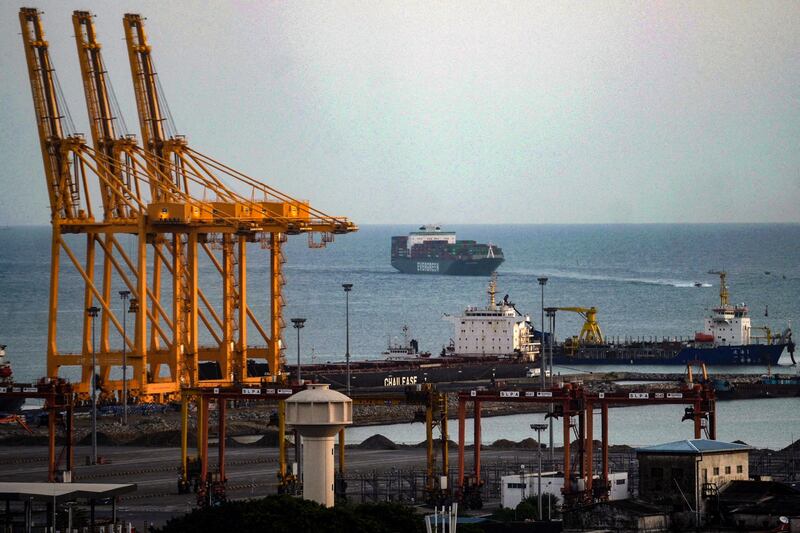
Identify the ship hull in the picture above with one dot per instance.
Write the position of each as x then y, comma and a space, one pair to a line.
448, 267
11, 405
659, 354
388, 374
749, 391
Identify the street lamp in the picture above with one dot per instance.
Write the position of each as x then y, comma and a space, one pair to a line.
347, 288
551, 321
542, 282
298, 324
93, 311
124, 296
538, 428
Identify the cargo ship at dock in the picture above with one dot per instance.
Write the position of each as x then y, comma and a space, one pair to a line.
728, 339
489, 343
433, 251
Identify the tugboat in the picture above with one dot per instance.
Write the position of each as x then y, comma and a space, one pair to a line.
7, 405
433, 251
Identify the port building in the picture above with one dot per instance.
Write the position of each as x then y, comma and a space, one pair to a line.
685, 472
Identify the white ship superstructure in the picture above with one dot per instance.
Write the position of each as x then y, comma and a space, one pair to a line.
496, 330
430, 232
729, 325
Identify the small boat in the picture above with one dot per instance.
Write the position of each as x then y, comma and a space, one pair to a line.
408, 348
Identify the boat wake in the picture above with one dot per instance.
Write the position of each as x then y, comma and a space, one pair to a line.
619, 279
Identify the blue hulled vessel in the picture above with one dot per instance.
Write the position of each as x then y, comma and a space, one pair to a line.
728, 339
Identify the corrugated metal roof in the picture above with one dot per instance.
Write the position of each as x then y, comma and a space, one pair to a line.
62, 491
694, 447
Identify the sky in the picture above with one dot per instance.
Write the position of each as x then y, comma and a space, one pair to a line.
455, 112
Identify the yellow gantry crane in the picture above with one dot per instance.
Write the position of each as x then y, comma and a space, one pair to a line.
590, 332
157, 221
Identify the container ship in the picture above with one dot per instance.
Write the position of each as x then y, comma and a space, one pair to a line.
727, 340
492, 342
433, 251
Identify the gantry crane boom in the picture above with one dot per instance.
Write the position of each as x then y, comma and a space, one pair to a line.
175, 221
148, 105
114, 189
590, 332
62, 187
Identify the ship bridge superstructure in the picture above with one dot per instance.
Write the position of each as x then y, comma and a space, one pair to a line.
428, 233
498, 329
728, 325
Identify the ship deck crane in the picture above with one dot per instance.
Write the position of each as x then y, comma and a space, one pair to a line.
590, 332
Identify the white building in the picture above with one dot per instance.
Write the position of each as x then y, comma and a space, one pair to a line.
517, 487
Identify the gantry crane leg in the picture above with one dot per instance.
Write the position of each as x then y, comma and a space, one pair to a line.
276, 307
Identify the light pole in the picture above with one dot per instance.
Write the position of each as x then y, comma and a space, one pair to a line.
93, 311
551, 321
542, 282
124, 296
298, 324
347, 288
538, 428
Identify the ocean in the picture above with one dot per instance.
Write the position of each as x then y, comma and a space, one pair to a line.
640, 277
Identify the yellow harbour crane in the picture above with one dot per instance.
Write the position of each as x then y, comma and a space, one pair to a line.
156, 223
590, 332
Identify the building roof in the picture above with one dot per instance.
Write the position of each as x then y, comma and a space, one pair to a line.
693, 447
633, 507
62, 491
740, 490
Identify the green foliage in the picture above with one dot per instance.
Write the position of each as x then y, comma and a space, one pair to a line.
528, 509
279, 514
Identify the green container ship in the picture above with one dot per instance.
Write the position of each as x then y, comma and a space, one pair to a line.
433, 251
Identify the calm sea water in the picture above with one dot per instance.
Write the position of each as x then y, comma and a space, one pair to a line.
640, 277
772, 423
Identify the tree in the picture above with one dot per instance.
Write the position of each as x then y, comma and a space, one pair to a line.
528, 509
279, 514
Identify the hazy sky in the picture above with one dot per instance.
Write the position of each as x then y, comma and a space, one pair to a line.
456, 112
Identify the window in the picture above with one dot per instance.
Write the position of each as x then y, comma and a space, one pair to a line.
716, 470
517, 485
705, 475
739, 469
620, 482
727, 469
